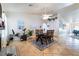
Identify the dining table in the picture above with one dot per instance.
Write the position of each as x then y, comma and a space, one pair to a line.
43, 38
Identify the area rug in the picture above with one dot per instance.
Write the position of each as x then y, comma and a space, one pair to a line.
10, 51
44, 46
3, 52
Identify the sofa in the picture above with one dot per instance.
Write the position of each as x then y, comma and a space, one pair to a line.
76, 32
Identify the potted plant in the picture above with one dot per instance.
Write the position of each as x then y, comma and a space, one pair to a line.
30, 32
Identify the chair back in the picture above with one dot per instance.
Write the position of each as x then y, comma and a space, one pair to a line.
13, 32
39, 31
50, 33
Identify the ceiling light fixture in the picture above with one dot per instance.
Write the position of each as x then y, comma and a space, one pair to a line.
45, 13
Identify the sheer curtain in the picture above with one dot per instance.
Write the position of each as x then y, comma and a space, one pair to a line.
4, 32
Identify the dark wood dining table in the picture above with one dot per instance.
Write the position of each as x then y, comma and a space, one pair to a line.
43, 37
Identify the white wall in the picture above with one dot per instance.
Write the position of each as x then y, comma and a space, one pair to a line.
29, 20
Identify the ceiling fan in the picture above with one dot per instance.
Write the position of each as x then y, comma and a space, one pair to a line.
47, 15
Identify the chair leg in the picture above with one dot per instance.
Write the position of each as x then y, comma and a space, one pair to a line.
41, 41
37, 40
46, 42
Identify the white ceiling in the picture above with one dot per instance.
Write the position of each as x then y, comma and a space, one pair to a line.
36, 8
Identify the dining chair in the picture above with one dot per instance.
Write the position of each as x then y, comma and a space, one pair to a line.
50, 34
